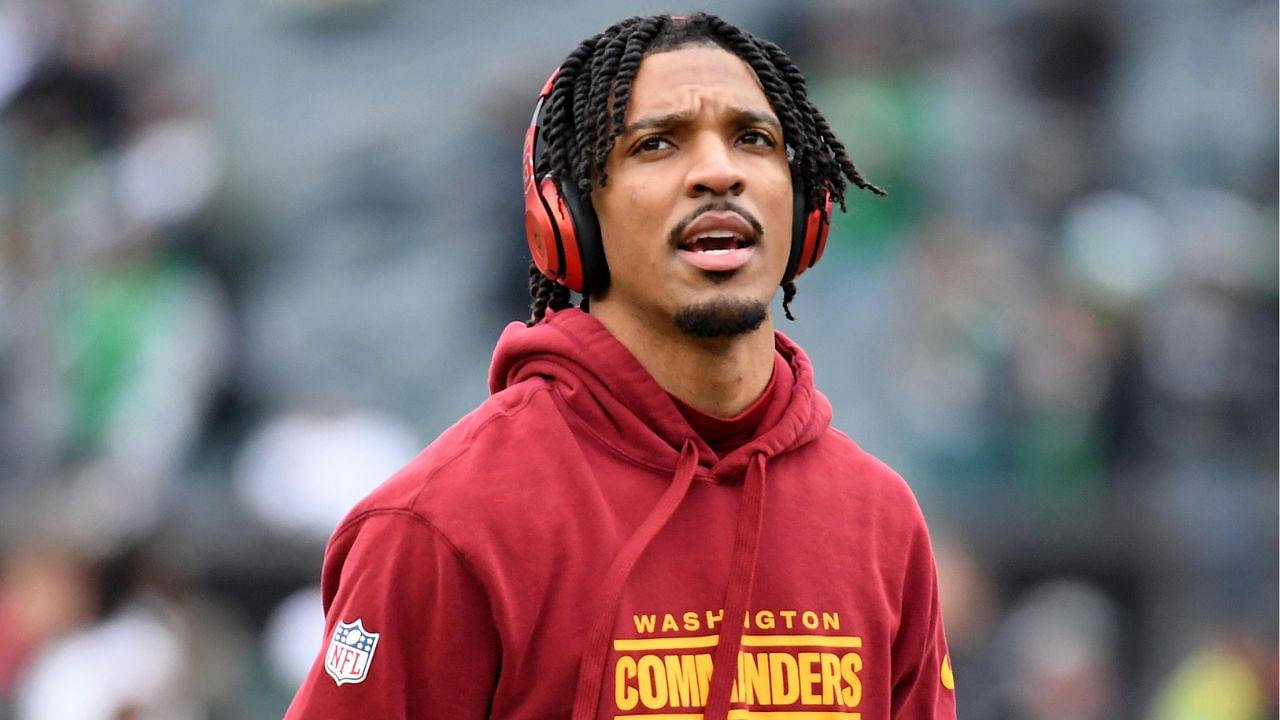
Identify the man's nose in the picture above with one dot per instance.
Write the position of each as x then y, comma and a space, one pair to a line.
714, 171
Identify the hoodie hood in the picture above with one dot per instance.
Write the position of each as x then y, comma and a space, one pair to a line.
603, 383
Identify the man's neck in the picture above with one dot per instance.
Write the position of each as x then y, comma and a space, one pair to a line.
720, 376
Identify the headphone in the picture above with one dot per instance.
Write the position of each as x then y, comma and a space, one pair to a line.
564, 233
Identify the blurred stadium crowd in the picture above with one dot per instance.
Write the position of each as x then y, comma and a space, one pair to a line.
255, 254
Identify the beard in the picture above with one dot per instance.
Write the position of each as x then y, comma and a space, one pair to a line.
721, 317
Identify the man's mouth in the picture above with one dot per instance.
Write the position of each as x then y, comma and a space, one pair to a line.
718, 242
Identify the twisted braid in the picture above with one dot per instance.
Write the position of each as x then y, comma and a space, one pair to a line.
807, 157
603, 73
582, 135
586, 111
627, 67
788, 294
569, 69
544, 293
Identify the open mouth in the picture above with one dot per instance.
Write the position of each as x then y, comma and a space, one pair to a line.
716, 243
717, 251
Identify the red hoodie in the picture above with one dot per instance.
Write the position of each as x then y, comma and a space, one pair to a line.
573, 549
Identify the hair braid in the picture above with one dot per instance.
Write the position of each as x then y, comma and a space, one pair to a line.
544, 294
808, 157
628, 64
587, 107
557, 152
604, 78
842, 158
580, 170
788, 294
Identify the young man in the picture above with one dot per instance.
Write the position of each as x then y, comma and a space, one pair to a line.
651, 516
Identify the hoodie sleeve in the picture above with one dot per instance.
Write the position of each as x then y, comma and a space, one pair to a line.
405, 622
923, 684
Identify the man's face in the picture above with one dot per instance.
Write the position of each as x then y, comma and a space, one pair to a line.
696, 213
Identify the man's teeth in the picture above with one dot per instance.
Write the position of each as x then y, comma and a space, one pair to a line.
736, 240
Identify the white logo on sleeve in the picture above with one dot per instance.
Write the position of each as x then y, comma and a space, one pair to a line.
350, 652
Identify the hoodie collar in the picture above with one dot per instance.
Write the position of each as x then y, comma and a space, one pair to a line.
618, 400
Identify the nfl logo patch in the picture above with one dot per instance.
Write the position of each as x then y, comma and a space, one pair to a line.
350, 652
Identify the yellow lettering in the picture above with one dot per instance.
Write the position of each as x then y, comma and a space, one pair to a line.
788, 616
736, 693
850, 666
644, 623
755, 669
653, 682
784, 678
810, 619
830, 678
703, 661
808, 678
682, 681
691, 622
625, 695
830, 621
669, 623
713, 618
764, 620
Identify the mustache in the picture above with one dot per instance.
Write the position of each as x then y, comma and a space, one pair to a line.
677, 232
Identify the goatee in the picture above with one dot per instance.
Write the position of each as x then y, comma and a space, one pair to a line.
722, 317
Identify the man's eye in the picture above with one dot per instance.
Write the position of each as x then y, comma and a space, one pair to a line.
755, 137
652, 144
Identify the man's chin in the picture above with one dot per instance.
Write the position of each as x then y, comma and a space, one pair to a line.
721, 317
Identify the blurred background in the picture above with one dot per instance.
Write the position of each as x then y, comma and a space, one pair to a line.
254, 254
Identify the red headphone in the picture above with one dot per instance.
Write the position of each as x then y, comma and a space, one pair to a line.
564, 234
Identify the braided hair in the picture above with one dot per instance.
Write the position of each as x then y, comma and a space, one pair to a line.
586, 111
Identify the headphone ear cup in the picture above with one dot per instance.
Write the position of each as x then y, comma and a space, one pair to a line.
559, 224
799, 226
817, 228
539, 229
569, 265
588, 251
808, 231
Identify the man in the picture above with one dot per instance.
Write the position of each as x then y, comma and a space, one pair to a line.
651, 515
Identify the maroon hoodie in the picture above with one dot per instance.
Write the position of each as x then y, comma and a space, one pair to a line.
573, 549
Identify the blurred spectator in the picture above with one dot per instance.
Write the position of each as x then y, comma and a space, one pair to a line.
300, 473
45, 592
130, 665
1058, 650
292, 636
1224, 679
117, 336
970, 608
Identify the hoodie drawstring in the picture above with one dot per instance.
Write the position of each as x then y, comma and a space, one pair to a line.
595, 654
742, 575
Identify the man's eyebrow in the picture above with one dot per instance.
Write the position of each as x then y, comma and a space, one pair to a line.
739, 116
747, 116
